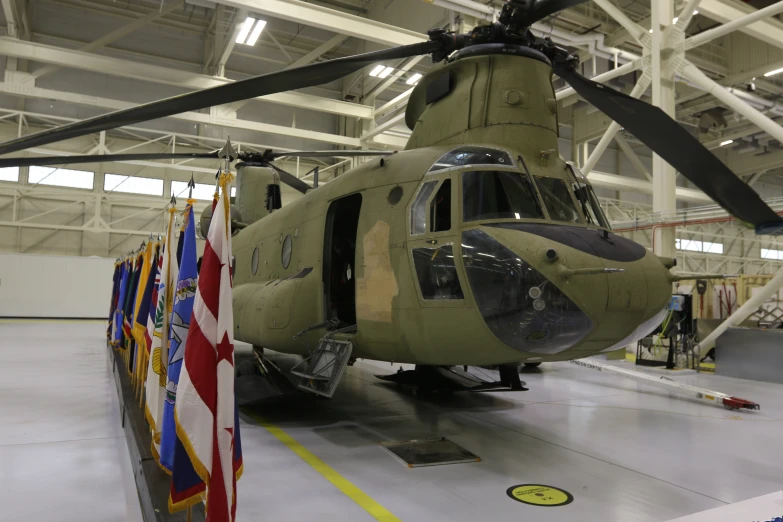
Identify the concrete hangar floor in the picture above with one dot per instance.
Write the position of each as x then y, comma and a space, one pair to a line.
624, 452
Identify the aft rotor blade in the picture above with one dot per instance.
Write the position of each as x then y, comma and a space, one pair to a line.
262, 85
543, 8
291, 180
68, 160
330, 153
677, 146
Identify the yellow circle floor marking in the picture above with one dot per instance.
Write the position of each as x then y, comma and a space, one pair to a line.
540, 495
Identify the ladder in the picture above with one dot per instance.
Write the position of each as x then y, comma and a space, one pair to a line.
694, 392
321, 372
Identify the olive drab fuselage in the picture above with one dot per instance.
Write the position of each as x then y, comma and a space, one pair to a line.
436, 278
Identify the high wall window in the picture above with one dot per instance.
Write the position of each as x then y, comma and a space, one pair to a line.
202, 190
9, 174
769, 253
698, 246
133, 184
61, 177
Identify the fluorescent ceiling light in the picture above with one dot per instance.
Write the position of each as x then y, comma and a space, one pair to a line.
695, 12
651, 30
245, 30
378, 70
386, 72
772, 73
675, 19
253, 38
727, 142
413, 79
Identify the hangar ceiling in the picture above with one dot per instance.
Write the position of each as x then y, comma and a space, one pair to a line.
66, 60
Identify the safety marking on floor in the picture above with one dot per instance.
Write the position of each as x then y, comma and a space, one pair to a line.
377, 511
539, 495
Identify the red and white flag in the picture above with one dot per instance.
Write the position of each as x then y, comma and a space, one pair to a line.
204, 411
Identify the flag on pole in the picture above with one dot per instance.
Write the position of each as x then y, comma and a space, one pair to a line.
130, 298
185, 293
156, 367
136, 298
118, 312
115, 288
152, 312
205, 410
143, 314
137, 330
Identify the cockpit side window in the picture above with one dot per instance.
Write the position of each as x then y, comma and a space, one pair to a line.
419, 208
472, 156
436, 273
440, 209
587, 199
499, 195
557, 200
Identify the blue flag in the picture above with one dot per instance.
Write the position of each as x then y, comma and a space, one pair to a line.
119, 310
184, 296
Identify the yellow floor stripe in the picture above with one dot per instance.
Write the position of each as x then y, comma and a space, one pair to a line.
377, 511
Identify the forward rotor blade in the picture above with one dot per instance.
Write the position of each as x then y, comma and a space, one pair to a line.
677, 146
69, 160
330, 153
291, 180
262, 85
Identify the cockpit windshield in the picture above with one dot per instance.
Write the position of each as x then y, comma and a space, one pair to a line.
557, 200
498, 195
587, 199
464, 156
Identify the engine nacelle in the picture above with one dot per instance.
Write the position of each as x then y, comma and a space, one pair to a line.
206, 218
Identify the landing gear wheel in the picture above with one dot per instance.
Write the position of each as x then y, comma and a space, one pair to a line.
532, 365
246, 366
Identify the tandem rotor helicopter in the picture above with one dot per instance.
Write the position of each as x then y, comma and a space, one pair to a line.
476, 245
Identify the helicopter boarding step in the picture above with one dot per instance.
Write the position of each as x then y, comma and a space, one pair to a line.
694, 392
321, 372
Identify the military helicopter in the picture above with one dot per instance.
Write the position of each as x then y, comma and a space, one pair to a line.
476, 245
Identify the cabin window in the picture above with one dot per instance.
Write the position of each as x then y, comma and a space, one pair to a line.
499, 195
472, 156
419, 208
440, 209
285, 255
436, 273
254, 261
557, 200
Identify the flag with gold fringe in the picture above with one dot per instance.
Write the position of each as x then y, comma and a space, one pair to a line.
142, 315
115, 289
185, 292
155, 388
136, 331
205, 411
117, 339
130, 300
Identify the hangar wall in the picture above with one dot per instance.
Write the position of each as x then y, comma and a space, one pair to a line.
55, 286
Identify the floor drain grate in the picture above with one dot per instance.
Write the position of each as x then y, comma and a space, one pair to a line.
429, 452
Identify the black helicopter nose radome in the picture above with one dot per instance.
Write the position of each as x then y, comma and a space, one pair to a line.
522, 307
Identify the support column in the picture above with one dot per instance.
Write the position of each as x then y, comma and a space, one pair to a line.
664, 199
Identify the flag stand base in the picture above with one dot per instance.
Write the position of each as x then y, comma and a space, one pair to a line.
152, 484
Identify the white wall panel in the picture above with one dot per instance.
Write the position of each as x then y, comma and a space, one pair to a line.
55, 286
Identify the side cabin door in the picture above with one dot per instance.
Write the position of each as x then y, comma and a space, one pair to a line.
339, 275
433, 237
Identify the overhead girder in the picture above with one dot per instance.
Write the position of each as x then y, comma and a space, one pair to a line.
165, 75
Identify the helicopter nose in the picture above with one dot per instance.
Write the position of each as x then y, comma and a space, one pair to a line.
520, 305
544, 289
